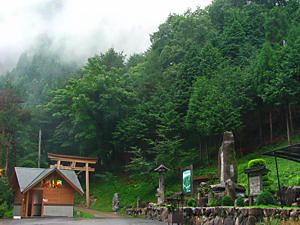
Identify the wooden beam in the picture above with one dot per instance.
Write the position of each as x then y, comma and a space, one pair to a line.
27, 203
83, 168
90, 161
42, 207
32, 203
87, 185
22, 205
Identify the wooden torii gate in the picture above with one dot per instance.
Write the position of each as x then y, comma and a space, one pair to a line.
76, 163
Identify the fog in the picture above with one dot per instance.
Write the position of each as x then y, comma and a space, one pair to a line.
81, 28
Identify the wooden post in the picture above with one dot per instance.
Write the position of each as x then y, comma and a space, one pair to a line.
87, 188
22, 205
27, 202
42, 207
32, 203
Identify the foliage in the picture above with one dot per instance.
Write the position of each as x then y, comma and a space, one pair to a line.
3, 209
227, 201
256, 162
265, 198
240, 202
192, 202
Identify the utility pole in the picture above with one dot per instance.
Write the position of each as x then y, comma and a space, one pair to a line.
40, 145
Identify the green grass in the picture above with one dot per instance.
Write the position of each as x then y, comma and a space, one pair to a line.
104, 186
79, 214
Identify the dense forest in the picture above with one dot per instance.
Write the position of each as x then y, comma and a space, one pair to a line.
233, 66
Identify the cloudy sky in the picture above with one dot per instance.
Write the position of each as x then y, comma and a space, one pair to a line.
83, 27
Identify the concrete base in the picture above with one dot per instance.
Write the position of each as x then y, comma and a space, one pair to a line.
55, 210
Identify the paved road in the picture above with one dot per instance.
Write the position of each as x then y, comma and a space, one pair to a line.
71, 221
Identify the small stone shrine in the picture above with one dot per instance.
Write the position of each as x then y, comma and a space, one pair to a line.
255, 181
161, 186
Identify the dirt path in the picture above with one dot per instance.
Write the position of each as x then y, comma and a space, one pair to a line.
98, 214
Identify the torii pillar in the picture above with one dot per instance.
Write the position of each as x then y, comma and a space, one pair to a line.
71, 162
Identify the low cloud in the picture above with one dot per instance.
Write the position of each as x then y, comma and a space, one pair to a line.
81, 28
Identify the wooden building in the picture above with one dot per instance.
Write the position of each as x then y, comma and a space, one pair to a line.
44, 192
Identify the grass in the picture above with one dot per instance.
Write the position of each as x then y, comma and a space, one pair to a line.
104, 186
79, 214
103, 189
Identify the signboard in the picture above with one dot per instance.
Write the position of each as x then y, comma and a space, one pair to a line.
255, 185
187, 180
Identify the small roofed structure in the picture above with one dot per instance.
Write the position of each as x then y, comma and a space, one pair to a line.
44, 192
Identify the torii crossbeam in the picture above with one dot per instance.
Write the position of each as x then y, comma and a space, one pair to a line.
71, 162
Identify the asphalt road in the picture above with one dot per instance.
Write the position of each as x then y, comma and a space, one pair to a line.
72, 221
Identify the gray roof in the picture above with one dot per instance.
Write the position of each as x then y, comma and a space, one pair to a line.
29, 176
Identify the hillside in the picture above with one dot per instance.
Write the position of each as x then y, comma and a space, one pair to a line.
104, 186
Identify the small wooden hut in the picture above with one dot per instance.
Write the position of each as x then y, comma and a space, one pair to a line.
44, 192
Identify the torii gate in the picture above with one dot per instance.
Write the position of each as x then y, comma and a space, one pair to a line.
71, 162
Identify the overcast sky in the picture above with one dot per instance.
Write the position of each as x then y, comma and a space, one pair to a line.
83, 27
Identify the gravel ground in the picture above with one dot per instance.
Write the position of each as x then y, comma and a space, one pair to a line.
71, 221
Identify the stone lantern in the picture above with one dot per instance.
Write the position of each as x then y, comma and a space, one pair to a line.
161, 186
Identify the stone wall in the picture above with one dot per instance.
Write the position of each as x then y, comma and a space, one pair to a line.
222, 215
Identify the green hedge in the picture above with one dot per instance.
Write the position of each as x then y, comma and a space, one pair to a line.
257, 162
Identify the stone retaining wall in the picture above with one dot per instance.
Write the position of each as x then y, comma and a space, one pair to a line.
222, 215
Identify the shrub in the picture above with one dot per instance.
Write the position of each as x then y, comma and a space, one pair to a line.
240, 202
256, 162
192, 202
227, 201
265, 198
3, 209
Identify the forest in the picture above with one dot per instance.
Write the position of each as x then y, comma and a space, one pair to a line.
233, 66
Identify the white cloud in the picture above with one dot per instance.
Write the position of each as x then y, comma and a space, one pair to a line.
83, 27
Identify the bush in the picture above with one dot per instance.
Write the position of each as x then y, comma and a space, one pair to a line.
256, 162
265, 198
3, 209
240, 202
227, 201
192, 202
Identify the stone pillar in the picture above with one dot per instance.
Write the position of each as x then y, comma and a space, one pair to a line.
227, 165
161, 186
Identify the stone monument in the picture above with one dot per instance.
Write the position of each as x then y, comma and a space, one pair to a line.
227, 170
115, 203
227, 165
161, 186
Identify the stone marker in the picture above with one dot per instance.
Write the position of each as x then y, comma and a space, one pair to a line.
115, 203
227, 164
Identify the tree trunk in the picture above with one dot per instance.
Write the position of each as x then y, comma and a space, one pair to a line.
288, 134
200, 149
207, 156
271, 126
14, 145
7, 155
291, 120
260, 129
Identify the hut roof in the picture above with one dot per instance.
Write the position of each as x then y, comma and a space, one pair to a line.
29, 177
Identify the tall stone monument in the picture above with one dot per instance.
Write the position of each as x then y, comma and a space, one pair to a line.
227, 165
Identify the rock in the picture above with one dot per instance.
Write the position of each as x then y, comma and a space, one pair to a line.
251, 220
294, 213
218, 221
164, 215
228, 221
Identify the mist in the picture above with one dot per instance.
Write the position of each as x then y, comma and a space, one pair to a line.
81, 28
